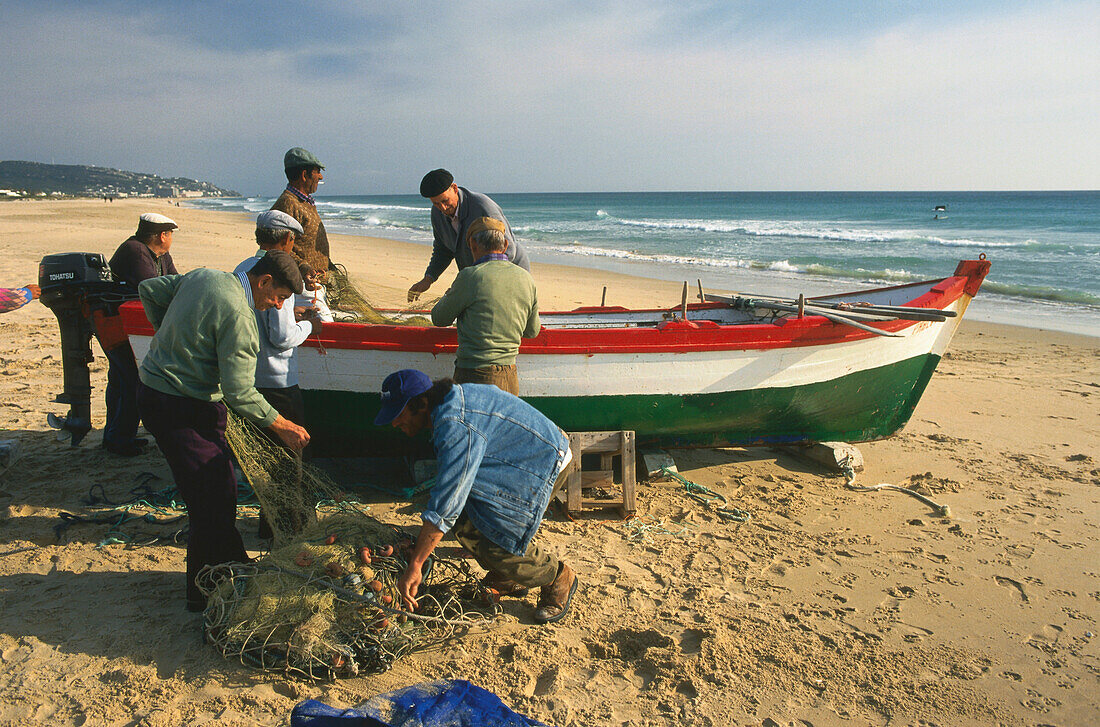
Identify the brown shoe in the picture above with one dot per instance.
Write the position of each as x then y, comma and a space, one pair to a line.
503, 587
555, 598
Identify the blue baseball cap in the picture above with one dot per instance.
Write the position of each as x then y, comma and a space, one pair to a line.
397, 389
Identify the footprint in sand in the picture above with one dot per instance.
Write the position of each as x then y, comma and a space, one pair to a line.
1011, 583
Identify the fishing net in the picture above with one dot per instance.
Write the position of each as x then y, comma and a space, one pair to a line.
345, 297
324, 602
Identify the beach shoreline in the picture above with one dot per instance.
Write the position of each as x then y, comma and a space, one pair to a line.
828, 607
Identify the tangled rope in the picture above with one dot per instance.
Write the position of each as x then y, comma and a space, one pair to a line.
850, 477
705, 497
324, 602
640, 529
330, 609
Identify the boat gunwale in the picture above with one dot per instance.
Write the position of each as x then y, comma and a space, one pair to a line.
675, 335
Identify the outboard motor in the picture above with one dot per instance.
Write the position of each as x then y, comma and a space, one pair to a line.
80, 290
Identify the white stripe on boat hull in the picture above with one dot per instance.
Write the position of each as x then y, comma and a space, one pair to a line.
570, 375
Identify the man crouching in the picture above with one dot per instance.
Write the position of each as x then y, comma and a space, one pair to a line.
499, 459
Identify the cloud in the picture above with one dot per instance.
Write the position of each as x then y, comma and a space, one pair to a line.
571, 96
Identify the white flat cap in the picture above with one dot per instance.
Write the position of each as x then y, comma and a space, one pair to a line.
151, 223
276, 220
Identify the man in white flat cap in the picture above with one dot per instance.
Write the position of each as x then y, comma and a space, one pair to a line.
277, 361
144, 255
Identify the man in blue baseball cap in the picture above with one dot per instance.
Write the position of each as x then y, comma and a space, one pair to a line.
499, 460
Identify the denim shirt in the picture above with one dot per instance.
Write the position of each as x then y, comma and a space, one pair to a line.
498, 460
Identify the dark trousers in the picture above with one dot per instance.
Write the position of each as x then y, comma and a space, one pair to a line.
296, 508
503, 377
121, 396
534, 569
191, 434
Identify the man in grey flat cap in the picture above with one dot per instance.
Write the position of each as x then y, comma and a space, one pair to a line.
454, 208
144, 255
277, 360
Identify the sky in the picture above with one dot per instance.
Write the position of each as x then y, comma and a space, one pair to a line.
565, 96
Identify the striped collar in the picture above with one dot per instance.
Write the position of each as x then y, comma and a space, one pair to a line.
308, 199
243, 277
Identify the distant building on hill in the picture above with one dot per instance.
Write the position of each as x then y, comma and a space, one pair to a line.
34, 179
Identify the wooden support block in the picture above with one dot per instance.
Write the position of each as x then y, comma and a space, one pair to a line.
655, 460
834, 455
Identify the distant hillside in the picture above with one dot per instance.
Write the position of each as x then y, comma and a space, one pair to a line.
34, 179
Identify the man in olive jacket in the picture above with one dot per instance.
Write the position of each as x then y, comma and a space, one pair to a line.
495, 305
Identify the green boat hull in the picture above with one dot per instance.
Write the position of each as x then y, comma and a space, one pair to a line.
861, 406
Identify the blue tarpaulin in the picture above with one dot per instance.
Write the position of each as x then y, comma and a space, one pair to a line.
447, 703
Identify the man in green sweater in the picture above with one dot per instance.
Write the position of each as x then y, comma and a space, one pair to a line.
495, 304
204, 352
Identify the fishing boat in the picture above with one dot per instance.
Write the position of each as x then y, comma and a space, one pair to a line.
725, 371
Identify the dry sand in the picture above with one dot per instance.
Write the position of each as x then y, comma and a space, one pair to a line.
829, 607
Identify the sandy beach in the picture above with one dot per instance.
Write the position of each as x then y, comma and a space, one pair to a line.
830, 607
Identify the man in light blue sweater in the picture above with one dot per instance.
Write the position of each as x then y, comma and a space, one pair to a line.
277, 361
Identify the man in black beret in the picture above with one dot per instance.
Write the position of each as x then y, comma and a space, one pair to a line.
454, 208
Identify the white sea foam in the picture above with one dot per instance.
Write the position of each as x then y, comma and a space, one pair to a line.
978, 243
370, 206
804, 229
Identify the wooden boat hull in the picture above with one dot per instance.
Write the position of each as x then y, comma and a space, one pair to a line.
678, 384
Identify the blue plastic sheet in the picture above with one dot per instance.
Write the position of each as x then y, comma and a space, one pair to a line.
448, 703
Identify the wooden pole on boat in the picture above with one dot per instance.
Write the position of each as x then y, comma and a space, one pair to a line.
684, 302
859, 310
702, 297
801, 305
603, 298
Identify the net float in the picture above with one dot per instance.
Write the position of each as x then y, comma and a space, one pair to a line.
364, 555
304, 560
375, 585
386, 551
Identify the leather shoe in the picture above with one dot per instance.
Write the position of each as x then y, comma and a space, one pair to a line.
130, 449
554, 599
503, 587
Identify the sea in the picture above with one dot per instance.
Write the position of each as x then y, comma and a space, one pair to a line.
1044, 246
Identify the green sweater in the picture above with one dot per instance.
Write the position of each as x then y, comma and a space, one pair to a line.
495, 305
206, 341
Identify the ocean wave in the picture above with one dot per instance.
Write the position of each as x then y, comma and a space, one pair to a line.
980, 243
370, 206
1038, 292
885, 275
805, 230
633, 255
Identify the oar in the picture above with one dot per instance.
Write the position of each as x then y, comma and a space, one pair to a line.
743, 303
864, 311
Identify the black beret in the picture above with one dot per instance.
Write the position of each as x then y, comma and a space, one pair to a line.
435, 182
